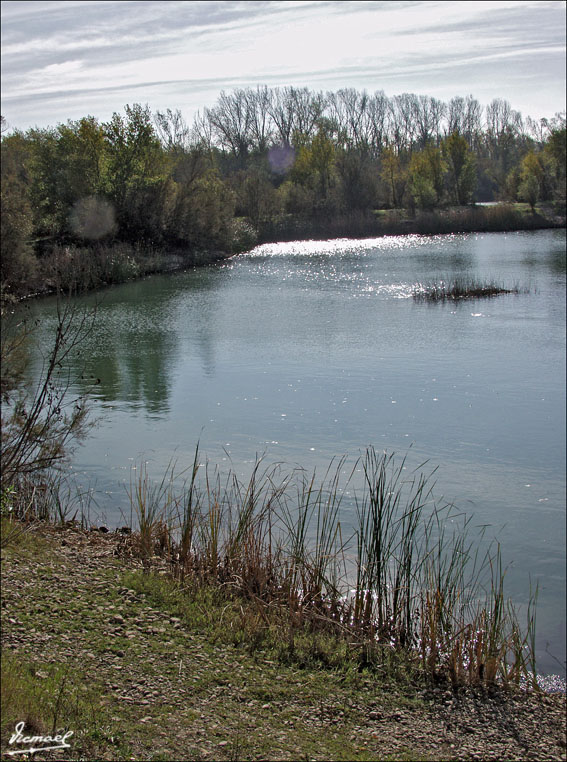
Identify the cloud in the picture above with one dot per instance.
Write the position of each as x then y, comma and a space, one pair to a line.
174, 53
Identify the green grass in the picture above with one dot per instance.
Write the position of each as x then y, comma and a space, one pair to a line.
53, 698
299, 712
236, 677
19, 538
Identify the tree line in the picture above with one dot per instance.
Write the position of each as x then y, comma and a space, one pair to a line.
261, 156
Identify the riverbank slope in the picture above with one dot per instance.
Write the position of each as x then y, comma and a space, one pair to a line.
93, 645
80, 267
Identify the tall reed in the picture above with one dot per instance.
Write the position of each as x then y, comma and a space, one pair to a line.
410, 580
461, 288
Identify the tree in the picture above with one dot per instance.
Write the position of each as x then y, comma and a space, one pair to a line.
231, 122
315, 162
428, 113
172, 131
16, 216
531, 179
136, 169
258, 102
461, 166
201, 214
421, 184
359, 179
426, 172
555, 157
464, 115
394, 175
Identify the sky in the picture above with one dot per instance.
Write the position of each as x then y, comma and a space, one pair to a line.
65, 60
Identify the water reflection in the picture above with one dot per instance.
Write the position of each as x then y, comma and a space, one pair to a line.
309, 350
140, 336
136, 369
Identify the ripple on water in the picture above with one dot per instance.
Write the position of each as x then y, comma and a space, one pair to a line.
346, 245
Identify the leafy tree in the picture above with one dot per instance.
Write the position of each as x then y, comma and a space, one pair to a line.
359, 179
529, 190
136, 169
532, 178
420, 183
259, 197
394, 175
81, 155
201, 214
555, 156
461, 166
314, 165
48, 209
427, 177
16, 217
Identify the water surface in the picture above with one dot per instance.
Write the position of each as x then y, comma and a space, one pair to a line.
308, 350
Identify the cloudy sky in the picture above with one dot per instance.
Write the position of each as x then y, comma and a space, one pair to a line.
64, 60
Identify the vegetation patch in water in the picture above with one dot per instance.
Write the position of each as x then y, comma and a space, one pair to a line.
457, 289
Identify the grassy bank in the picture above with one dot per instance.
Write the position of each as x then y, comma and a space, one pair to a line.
80, 268
467, 219
410, 589
141, 667
77, 269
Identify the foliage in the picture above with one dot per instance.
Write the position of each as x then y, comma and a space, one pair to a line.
462, 173
394, 176
151, 181
16, 215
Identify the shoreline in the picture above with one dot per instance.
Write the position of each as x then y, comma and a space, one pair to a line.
135, 263
148, 666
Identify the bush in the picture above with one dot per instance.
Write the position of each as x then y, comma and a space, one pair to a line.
244, 235
39, 424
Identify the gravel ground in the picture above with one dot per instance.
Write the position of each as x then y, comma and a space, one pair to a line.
167, 693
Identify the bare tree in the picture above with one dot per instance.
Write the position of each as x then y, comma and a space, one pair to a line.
308, 108
351, 111
258, 104
378, 106
402, 130
231, 122
281, 110
172, 130
428, 113
38, 425
465, 117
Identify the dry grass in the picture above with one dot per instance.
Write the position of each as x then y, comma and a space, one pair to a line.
410, 582
461, 288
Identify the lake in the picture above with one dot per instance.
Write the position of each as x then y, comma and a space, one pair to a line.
308, 350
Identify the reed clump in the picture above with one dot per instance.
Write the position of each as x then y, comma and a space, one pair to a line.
461, 288
407, 588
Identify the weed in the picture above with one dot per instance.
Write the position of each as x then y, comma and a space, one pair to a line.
461, 288
407, 588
